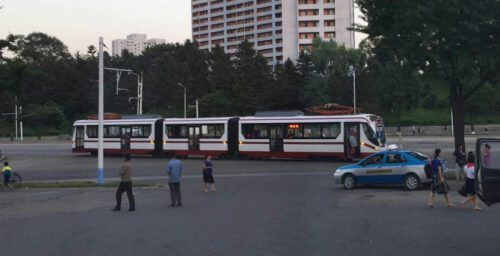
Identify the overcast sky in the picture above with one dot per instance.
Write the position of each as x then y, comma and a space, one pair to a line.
79, 23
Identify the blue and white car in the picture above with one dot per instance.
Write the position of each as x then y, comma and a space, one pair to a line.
385, 167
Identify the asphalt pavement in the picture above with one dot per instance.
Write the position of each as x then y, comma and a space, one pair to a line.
261, 207
260, 215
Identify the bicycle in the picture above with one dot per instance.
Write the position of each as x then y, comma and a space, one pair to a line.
15, 180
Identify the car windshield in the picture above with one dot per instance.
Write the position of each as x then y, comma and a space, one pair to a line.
418, 155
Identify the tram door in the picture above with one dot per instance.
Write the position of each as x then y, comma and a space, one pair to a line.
194, 138
79, 137
351, 140
276, 138
126, 134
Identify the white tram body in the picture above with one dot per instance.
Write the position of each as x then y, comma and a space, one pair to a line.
308, 136
197, 136
121, 136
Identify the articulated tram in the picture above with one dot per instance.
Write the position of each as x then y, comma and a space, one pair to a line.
342, 136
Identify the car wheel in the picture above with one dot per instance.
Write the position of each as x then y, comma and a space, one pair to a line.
411, 182
349, 181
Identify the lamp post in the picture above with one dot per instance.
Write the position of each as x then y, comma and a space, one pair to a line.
185, 106
100, 150
352, 70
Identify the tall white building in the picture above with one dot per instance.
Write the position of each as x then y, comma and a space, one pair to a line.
279, 29
135, 43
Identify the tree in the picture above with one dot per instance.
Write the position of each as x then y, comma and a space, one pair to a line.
453, 41
286, 87
43, 118
397, 88
254, 78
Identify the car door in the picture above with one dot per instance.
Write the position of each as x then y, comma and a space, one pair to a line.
395, 165
371, 170
487, 170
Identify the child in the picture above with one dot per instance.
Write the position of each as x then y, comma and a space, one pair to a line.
7, 171
470, 188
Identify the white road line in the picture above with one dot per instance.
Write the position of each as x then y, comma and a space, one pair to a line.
196, 176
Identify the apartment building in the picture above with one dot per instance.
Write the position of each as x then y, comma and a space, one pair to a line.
134, 43
279, 29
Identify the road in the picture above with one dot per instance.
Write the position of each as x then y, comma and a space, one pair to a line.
261, 215
38, 162
261, 207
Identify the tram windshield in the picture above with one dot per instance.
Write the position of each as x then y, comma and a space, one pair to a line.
376, 132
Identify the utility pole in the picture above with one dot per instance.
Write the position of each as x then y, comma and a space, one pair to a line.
140, 79
352, 70
197, 108
185, 106
21, 122
100, 150
15, 113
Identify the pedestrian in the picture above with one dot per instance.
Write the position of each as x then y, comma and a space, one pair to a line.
174, 169
419, 133
7, 172
486, 128
413, 130
486, 155
208, 177
125, 186
459, 156
438, 183
353, 142
469, 188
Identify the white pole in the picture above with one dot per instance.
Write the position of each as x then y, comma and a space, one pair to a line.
21, 122
354, 86
100, 152
140, 78
196, 108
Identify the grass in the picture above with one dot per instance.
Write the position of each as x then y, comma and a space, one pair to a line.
80, 184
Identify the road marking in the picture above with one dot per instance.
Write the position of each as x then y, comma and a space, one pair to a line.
199, 176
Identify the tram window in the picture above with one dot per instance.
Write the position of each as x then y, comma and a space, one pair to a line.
312, 131
370, 134
141, 131
212, 131
254, 131
92, 131
176, 131
330, 130
111, 131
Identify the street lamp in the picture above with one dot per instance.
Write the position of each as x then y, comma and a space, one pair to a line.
185, 106
352, 70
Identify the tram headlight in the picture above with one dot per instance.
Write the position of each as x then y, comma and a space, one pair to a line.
164, 141
152, 141
224, 142
241, 142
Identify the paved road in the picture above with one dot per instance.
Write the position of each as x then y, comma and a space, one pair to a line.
266, 207
260, 215
56, 162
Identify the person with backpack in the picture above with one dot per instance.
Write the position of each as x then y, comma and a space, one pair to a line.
459, 156
470, 187
438, 184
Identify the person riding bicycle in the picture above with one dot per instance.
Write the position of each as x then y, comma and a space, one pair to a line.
7, 172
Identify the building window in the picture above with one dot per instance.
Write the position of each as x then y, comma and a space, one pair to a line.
329, 23
329, 11
329, 34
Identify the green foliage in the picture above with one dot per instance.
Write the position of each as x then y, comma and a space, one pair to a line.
43, 118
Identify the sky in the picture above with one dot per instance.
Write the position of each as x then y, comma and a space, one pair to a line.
79, 23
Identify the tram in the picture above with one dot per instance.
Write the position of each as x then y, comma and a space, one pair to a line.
259, 136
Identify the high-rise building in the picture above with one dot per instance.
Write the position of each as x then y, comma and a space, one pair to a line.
135, 43
279, 29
